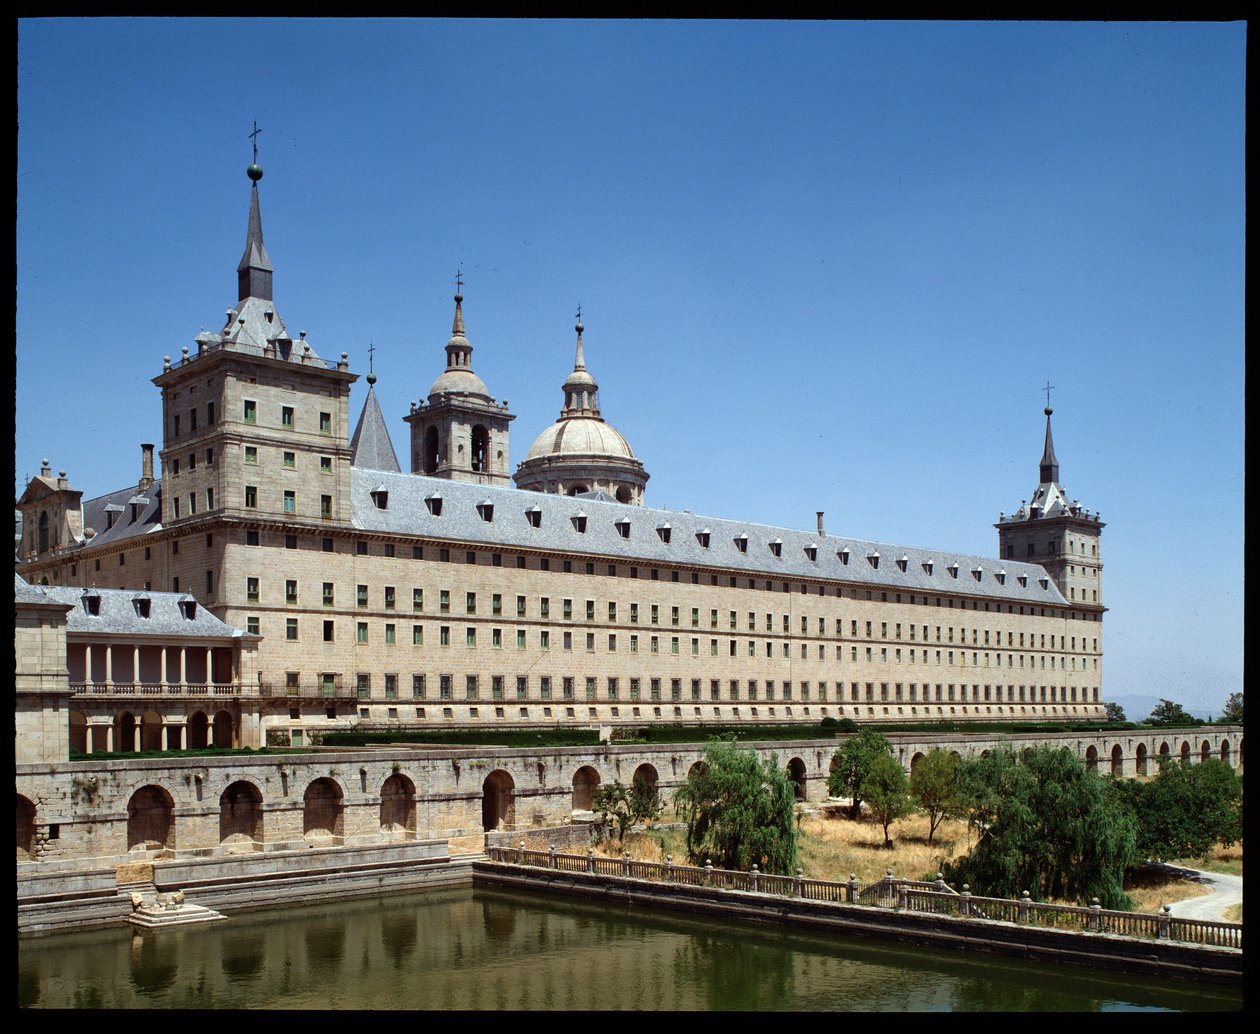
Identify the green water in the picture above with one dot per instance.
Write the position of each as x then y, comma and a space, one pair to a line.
487, 949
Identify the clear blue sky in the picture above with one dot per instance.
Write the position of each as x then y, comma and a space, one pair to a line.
822, 266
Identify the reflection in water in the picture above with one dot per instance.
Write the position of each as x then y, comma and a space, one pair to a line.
484, 949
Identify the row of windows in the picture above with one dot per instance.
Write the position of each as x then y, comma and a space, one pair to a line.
288, 459
191, 462
288, 417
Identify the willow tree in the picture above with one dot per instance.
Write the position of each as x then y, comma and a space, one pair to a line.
740, 810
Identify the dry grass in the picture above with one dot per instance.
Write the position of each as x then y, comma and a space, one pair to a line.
1150, 889
833, 848
1228, 860
1234, 913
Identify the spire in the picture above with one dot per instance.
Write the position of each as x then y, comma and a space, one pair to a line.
457, 327
581, 392
253, 275
1049, 463
371, 447
579, 363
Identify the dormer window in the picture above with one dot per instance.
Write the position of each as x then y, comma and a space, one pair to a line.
485, 510
843, 555
703, 538
92, 604
904, 562
142, 605
1023, 580
534, 516
380, 498
663, 532
953, 569
741, 543
188, 608
579, 522
1044, 582
977, 572
811, 551
927, 566
1001, 576
623, 528
776, 547
874, 559
434, 503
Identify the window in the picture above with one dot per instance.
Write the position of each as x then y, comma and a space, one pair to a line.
251, 411
290, 502
470, 636
325, 464
326, 545
417, 635
444, 635
391, 688
325, 423
363, 685
290, 593
389, 597
328, 594
209, 419
291, 629
290, 460
251, 590
390, 635
444, 601
252, 625
361, 635
251, 499
361, 596
470, 603
328, 632
251, 454
290, 542
417, 599
325, 511
417, 687
286, 416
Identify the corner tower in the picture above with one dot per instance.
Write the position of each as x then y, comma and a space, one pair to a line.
461, 433
1061, 536
581, 452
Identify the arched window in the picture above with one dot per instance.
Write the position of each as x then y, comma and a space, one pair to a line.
480, 449
43, 531
430, 458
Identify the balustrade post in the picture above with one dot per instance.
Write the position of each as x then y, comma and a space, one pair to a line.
851, 888
1024, 902
903, 895
1165, 923
1095, 917
590, 859
520, 853
798, 889
708, 871
940, 883
754, 875
964, 904
669, 868
625, 863
552, 849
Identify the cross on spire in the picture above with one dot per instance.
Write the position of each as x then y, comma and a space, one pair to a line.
1046, 389
254, 138
371, 349
579, 312
459, 282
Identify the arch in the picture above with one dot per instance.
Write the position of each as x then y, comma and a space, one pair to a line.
1164, 749
1185, 752
398, 807
798, 776
623, 494
241, 816
585, 783
498, 801
150, 820
1140, 759
1091, 758
25, 829
150, 731
429, 458
43, 531
198, 731
1225, 751
78, 732
125, 732
577, 489
918, 756
1117, 760
480, 449
1205, 752
323, 811
646, 773
223, 729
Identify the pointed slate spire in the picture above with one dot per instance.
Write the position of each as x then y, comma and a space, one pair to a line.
253, 275
371, 447
1049, 463
581, 392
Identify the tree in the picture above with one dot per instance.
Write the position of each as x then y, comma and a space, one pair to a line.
850, 764
645, 801
887, 791
932, 786
1168, 713
1186, 809
1115, 713
739, 810
1046, 826
1233, 713
612, 801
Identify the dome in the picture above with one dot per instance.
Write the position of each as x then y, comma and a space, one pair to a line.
459, 382
580, 437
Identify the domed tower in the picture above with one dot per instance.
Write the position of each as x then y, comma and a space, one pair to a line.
581, 452
461, 433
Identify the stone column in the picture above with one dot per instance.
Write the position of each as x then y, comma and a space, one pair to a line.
183, 673
135, 735
109, 664
209, 665
109, 737
162, 673
135, 666
183, 734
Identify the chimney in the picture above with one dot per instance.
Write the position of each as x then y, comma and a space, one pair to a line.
146, 467
821, 533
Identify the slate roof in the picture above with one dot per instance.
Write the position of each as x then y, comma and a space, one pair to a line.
148, 514
119, 615
874, 564
371, 446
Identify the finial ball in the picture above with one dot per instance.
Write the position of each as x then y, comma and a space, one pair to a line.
579, 328
459, 299
370, 378
1049, 410
254, 172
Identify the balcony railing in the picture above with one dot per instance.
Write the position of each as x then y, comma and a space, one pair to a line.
164, 689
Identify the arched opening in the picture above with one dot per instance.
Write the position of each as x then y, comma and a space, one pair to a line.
585, 783
198, 731
43, 531
796, 773
914, 761
25, 829
150, 731
498, 801
646, 773
1205, 752
1164, 749
223, 729
698, 769
1091, 758
480, 449
125, 732
577, 489
623, 494
323, 815
78, 732
1140, 759
1117, 760
430, 459
150, 820
1225, 751
398, 807
241, 817
1185, 752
